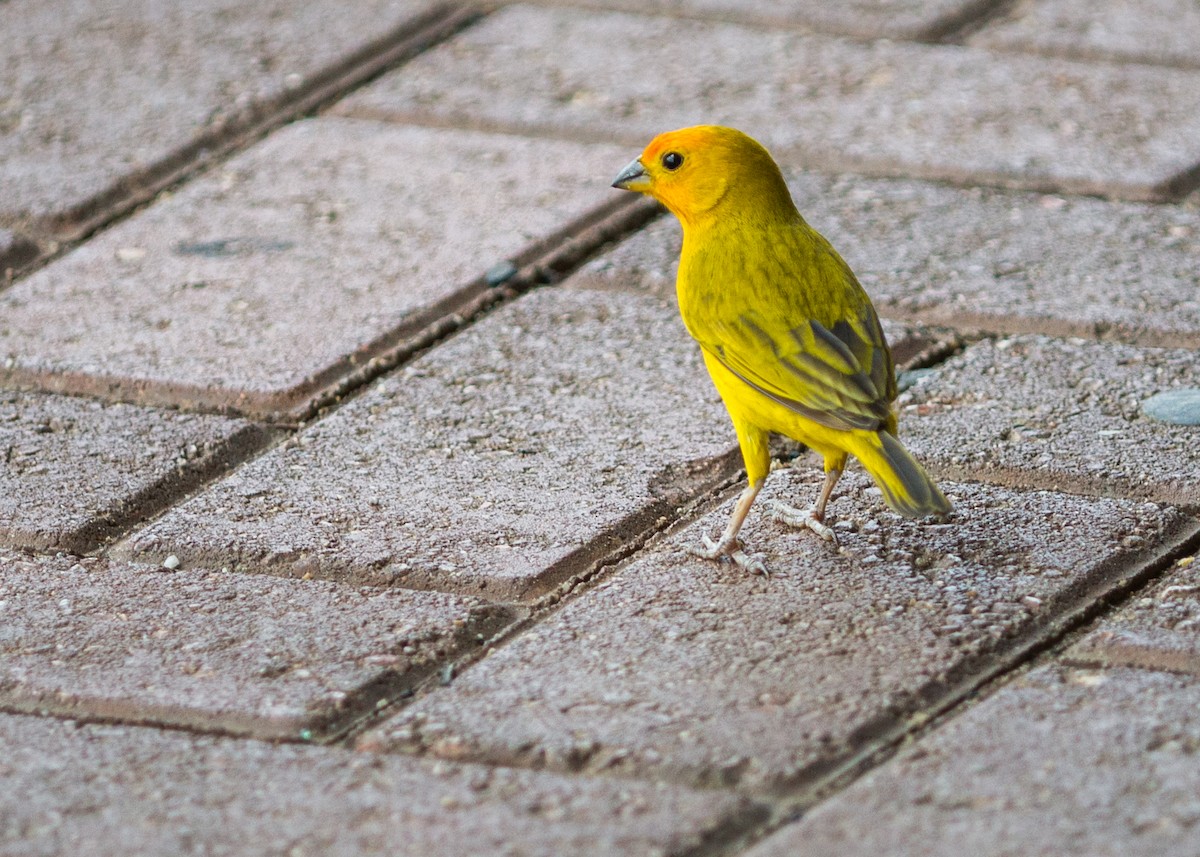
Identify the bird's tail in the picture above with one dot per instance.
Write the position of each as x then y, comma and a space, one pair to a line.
906, 487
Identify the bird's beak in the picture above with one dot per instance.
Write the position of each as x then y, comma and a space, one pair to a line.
633, 177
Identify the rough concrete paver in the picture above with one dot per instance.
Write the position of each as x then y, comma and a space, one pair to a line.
1065, 762
564, 428
74, 472
210, 650
95, 97
1025, 120
260, 283
696, 671
1145, 31
978, 258
896, 19
1051, 413
501, 462
84, 789
1158, 630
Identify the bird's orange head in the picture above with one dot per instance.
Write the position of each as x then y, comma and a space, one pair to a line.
707, 173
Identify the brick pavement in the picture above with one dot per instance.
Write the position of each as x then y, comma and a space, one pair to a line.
350, 444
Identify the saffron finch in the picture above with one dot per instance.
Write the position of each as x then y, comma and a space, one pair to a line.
788, 335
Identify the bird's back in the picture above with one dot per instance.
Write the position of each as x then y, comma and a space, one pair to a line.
783, 310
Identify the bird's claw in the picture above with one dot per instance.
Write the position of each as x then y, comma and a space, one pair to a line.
794, 517
752, 563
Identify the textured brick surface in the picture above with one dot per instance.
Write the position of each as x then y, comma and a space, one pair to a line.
978, 258
1155, 31
94, 96
819, 101
1058, 413
212, 650
1014, 262
435, 594
504, 460
1060, 762
262, 282
698, 671
906, 19
1159, 630
79, 789
74, 472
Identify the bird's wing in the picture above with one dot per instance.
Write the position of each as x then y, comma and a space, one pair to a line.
839, 376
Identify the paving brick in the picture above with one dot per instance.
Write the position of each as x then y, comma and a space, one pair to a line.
87, 789
943, 111
217, 651
501, 462
260, 284
1062, 761
14, 252
982, 259
1014, 262
1159, 630
1035, 411
686, 669
100, 101
74, 472
907, 19
1148, 31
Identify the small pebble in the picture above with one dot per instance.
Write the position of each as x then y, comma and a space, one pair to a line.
911, 377
171, 563
500, 273
1178, 407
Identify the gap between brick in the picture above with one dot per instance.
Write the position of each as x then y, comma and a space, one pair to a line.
956, 27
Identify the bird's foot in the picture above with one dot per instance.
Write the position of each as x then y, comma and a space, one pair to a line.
809, 518
732, 549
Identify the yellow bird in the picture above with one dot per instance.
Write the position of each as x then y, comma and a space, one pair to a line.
789, 337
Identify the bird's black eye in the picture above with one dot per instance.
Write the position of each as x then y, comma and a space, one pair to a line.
672, 161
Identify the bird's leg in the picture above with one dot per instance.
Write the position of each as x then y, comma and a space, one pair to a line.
813, 518
728, 545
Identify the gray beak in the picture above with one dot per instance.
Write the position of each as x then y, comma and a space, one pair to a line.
633, 177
